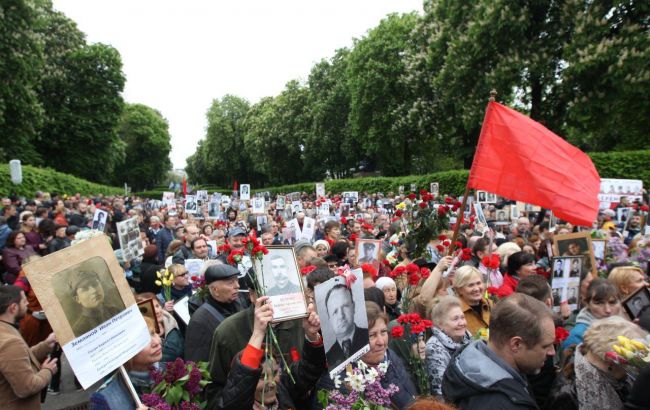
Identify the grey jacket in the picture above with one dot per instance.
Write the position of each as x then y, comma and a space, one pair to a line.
439, 350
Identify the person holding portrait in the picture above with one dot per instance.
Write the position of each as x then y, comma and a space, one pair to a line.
282, 283
350, 338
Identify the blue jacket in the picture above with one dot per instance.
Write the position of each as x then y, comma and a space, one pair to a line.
4, 233
576, 336
114, 395
164, 237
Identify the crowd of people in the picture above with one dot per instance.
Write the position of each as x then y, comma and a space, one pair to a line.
494, 339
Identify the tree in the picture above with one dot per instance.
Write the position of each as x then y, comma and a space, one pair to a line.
21, 60
608, 74
374, 70
81, 126
329, 150
145, 134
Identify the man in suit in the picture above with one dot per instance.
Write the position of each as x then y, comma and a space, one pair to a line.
283, 285
350, 338
369, 253
22, 374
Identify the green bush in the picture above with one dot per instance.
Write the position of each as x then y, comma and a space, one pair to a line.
49, 180
623, 164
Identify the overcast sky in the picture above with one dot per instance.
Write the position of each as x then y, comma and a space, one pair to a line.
179, 56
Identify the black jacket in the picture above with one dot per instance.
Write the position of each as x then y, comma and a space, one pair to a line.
203, 323
239, 391
478, 379
148, 278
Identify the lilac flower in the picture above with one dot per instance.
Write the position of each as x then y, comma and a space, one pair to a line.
193, 386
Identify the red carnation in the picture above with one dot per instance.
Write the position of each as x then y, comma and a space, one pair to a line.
417, 328
492, 290
412, 196
560, 335
425, 273
400, 269
466, 254
386, 262
353, 237
427, 323
414, 279
423, 192
369, 269
449, 200
295, 356
398, 213
442, 237
442, 211
194, 278
456, 206
422, 205
366, 227
458, 244
644, 208
446, 242
344, 221
397, 332
440, 248
412, 268
404, 318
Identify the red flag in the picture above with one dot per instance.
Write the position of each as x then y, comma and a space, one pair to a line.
519, 159
184, 186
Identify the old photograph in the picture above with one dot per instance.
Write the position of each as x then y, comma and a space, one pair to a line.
576, 244
368, 251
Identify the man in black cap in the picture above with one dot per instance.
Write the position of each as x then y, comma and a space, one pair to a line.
88, 292
221, 302
236, 238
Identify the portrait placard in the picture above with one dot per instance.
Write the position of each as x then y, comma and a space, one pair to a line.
324, 209
599, 246
414, 187
245, 192
182, 309
344, 324
129, 235
480, 216
193, 266
296, 206
611, 190
100, 219
191, 206
350, 197
637, 303
320, 189
400, 189
503, 215
576, 244
214, 208
147, 309
168, 200
623, 214
524, 207
565, 281
90, 306
280, 202
258, 205
434, 189
282, 282
202, 195
368, 251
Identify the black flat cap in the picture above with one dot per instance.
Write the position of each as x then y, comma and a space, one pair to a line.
220, 272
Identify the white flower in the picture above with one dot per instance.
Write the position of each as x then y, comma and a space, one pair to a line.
371, 375
383, 367
85, 235
361, 365
337, 381
356, 382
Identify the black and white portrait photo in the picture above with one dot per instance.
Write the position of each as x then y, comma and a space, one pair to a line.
100, 219
435, 189
129, 236
637, 303
344, 324
191, 207
481, 196
282, 281
87, 294
245, 192
258, 205
214, 208
368, 251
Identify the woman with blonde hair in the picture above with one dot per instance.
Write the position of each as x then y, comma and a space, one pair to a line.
470, 289
627, 279
601, 384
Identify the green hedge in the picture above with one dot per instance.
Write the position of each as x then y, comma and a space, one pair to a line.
49, 180
626, 165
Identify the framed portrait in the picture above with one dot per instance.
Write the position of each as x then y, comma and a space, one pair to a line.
481, 196
100, 219
128, 233
434, 188
320, 189
147, 309
480, 216
599, 246
514, 212
280, 202
400, 189
261, 221
90, 307
637, 303
245, 192
288, 236
368, 251
258, 205
565, 280
576, 244
214, 208
623, 214
345, 209
414, 187
296, 206
282, 283
344, 324
191, 205
502, 216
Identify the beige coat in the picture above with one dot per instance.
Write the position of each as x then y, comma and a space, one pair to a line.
21, 375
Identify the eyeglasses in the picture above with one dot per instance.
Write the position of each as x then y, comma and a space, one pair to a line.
182, 274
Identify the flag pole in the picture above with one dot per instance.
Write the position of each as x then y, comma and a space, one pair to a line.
461, 214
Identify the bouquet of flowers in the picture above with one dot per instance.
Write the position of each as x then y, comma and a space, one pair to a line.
412, 274
407, 333
178, 387
165, 278
366, 391
85, 235
426, 221
632, 355
482, 334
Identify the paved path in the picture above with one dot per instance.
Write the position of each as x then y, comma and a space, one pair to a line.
69, 397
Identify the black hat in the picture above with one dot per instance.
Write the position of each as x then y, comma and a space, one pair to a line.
220, 272
236, 231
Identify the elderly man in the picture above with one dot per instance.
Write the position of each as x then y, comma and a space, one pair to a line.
185, 251
350, 338
87, 290
221, 302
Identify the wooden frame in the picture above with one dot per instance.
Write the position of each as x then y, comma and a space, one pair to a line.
583, 240
629, 304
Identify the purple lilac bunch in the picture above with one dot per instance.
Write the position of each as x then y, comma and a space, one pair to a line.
178, 387
363, 389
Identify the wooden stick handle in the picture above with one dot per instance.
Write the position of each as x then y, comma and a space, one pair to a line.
459, 221
129, 386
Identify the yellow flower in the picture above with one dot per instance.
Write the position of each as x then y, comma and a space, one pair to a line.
158, 283
401, 206
622, 340
167, 282
628, 354
158, 274
638, 345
